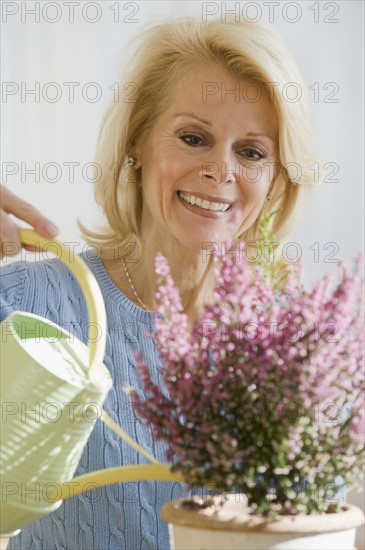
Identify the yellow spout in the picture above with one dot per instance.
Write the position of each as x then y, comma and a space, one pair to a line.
99, 478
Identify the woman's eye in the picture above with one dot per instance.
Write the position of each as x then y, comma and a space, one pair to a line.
253, 154
192, 140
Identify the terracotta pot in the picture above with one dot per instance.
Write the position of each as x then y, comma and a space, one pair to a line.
229, 525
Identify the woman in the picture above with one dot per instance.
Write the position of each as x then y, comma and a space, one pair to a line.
206, 148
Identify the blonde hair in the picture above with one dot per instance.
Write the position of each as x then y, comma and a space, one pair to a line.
160, 56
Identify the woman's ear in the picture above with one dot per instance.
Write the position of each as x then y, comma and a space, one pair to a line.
133, 160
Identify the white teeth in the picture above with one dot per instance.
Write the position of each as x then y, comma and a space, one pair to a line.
207, 205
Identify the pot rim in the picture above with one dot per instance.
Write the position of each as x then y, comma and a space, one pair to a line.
234, 516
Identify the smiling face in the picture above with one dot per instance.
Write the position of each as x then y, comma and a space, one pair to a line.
207, 166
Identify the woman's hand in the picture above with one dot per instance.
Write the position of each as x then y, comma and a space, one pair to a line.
9, 237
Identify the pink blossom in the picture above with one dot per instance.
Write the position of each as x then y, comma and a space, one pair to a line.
260, 381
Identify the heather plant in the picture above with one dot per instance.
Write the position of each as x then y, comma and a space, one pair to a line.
262, 396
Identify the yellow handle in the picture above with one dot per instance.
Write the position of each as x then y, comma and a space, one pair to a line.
90, 288
97, 315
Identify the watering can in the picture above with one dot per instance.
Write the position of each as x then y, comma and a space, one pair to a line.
51, 386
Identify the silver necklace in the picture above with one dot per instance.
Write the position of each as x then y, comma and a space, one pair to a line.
132, 286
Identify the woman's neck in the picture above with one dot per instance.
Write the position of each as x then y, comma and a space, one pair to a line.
192, 274
191, 271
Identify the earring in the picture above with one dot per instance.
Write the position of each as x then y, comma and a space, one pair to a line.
268, 197
131, 161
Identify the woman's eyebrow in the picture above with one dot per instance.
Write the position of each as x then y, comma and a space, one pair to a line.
257, 134
249, 134
194, 116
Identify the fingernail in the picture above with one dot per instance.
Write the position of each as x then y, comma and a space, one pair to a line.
51, 229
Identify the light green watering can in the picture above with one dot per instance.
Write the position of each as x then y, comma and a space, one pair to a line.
52, 391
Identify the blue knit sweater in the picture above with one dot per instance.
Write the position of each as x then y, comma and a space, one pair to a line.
119, 516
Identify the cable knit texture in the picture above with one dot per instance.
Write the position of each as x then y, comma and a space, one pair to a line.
119, 516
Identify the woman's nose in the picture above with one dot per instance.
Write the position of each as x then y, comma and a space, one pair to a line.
218, 173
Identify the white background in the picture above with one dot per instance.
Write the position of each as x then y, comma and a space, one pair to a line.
325, 38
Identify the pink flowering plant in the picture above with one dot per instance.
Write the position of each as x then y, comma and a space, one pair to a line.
264, 395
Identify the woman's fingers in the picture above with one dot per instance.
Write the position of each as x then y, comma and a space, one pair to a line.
11, 204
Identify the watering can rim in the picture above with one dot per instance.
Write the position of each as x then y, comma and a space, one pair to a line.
78, 378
